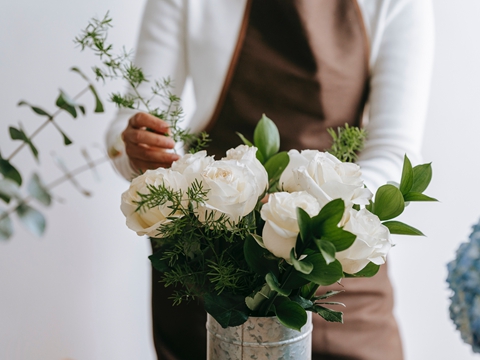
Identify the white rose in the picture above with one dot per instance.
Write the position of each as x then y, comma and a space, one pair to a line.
232, 190
191, 165
280, 215
372, 243
325, 177
247, 155
147, 221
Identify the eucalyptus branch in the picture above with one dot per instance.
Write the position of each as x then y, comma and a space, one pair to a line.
44, 124
66, 177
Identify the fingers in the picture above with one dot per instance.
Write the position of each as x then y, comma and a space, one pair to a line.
144, 120
148, 149
149, 154
137, 136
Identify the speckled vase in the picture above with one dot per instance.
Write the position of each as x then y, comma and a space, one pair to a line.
259, 338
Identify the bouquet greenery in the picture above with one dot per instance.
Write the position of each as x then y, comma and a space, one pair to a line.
257, 232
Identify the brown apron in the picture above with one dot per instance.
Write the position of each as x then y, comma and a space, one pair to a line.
304, 63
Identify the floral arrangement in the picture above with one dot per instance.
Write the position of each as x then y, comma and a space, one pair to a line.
257, 232
463, 278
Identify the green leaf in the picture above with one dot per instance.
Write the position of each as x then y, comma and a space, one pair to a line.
301, 266
303, 220
272, 281
368, 271
98, 102
244, 139
291, 314
329, 314
407, 176
158, 263
328, 294
9, 171
322, 273
227, 309
325, 225
32, 219
8, 189
414, 196
256, 257
275, 166
19, 134
304, 303
66, 103
37, 189
397, 227
266, 138
327, 249
295, 281
36, 109
422, 175
6, 227
66, 139
254, 302
388, 203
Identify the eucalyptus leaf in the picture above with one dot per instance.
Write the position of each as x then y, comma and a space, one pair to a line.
38, 190
9, 171
272, 281
407, 176
422, 175
388, 203
327, 249
322, 273
6, 227
9, 189
36, 109
66, 139
329, 314
413, 196
98, 102
19, 134
66, 103
32, 219
303, 267
397, 227
266, 138
291, 315
228, 310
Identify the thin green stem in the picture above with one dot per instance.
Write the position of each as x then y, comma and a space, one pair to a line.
41, 127
55, 183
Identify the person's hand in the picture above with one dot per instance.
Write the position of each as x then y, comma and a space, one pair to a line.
147, 143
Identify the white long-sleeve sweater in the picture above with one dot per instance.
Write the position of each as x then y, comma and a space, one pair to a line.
196, 39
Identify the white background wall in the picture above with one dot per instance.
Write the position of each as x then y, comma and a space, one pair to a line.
82, 291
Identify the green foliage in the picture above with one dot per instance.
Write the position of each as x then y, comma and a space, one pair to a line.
291, 314
39, 191
119, 66
389, 202
368, 271
19, 134
228, 310
266, 138
397, 227
329, 314
275, 166
9, 171
32, 219
347, 142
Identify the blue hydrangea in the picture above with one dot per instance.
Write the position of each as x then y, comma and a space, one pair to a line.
464, 280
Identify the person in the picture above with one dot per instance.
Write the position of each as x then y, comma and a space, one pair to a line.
309, 65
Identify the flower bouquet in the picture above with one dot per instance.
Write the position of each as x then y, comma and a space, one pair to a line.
258, 232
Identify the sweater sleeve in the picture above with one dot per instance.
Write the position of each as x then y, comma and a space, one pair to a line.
401, 40
160, 53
